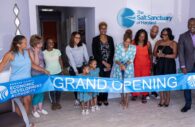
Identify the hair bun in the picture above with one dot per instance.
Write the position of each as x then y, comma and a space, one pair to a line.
91, 58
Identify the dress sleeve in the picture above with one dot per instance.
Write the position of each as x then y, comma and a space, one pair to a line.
133, 53
117, 53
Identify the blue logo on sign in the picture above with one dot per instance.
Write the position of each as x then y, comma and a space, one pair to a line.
191, 80
126, 17
3, 92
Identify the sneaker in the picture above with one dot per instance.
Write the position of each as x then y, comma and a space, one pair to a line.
148, 97
83, 112
36, 114
86, 112
93, 109
44, 112
158, 97
97, 108
76, 103
32, 125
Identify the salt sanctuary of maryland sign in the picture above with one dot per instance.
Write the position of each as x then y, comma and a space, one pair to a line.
128, 17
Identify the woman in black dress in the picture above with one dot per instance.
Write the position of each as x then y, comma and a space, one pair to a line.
165, 52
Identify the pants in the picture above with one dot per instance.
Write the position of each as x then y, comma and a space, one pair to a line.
55, 96
154, 73
187, 95
72, 73
140, 72
37, 98
103, 97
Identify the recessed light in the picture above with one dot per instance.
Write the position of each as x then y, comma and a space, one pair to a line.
47, 9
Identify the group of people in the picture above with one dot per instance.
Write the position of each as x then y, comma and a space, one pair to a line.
145, 55
26, 63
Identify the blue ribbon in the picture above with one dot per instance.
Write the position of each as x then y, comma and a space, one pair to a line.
46, 83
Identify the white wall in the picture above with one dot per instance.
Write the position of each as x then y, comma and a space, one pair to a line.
179, 9
7, 26
192, 8
89, 15
107, 10
104, 11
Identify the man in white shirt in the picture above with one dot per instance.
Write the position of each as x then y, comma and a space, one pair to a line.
153, 38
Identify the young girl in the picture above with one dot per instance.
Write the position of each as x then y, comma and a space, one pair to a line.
84, 97
36, 56
95, 73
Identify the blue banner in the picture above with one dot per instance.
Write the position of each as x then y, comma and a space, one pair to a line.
46, 83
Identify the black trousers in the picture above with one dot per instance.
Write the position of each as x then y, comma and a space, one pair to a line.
72, 73
187, 95
55, 95
154, 73
103, 97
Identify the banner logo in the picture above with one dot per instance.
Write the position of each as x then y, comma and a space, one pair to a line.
128, 17
3, 92
191, 80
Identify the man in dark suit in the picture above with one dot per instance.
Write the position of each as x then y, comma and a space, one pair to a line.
186, 52
103, 52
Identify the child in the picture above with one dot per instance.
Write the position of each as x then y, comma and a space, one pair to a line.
84, 97
95, 73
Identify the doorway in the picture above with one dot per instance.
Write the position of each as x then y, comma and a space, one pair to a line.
59, 22
49, 30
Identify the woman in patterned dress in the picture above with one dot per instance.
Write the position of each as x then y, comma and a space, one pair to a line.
124, 57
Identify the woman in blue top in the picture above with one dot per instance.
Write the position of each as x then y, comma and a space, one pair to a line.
21, 65
124, 57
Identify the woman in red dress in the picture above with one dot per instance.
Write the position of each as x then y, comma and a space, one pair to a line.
142, 61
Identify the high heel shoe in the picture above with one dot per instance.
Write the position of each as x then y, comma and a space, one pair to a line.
160, 105
166, 105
